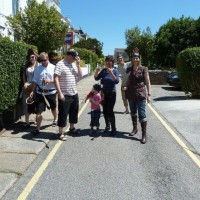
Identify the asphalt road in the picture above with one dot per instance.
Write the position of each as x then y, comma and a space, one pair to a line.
87, 167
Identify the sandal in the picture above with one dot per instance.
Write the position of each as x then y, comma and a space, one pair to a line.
74, 130
62, 137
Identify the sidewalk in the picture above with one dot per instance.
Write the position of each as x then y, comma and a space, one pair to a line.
19, 148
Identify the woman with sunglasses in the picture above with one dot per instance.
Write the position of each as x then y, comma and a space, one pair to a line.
109, 77
27, 77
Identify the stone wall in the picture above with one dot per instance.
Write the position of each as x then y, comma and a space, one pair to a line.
158, 77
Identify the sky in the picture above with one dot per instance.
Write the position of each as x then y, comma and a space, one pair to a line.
108, 20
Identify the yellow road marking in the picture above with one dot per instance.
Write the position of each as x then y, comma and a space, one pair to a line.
176, 137
44, 165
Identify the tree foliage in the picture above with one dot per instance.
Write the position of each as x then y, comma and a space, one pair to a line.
39, 25
91, 44
173, 37
143, 40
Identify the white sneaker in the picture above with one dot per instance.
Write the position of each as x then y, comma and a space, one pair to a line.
54, 123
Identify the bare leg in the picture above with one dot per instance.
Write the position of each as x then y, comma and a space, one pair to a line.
61, 134
38, 120
54, 113
71, 126
27, 119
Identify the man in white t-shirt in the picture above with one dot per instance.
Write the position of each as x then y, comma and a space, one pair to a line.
43, 85
65, 74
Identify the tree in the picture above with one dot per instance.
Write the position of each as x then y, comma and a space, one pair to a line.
173, 37
132, 37
39, 25
142, 40
91, 44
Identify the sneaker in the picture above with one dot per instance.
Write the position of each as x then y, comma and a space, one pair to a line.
54, 123
106, 130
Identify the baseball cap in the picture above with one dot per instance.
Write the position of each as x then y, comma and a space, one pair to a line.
72, 53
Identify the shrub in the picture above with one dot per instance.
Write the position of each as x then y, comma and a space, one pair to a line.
88, 57
12, 59
188, 68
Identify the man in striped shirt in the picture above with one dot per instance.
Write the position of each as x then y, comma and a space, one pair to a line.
65, 74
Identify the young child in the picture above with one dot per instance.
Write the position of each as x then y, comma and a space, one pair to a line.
95, 99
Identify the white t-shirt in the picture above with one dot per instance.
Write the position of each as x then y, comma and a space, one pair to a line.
41, 73
67, 77
122, 71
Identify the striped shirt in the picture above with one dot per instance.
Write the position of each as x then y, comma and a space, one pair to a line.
67, 74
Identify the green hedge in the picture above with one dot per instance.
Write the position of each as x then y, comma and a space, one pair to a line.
188, 68
88, 56
12, 59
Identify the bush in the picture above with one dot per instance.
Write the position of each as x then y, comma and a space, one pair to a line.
12, 59
188, 68
88, 57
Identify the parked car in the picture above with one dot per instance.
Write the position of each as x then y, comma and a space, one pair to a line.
173, 80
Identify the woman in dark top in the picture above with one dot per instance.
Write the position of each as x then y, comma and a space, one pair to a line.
109, 76
138, 91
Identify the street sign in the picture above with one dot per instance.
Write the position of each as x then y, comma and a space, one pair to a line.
69, 39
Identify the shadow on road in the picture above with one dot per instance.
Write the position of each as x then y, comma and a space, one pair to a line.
171, 98
170, 88
95, 134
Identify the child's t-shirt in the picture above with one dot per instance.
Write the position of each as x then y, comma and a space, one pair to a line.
97, 98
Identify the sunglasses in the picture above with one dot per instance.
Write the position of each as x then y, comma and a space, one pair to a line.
43, 60
32, 57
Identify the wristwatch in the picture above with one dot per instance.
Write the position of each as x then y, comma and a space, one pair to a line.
149, 94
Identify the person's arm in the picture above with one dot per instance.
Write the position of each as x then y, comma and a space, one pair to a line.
79, 72
98, 73
57, 84
33, 89
114, 74
148, 85
96, 100
25, 84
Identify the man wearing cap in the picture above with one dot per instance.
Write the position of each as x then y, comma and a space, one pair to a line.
122, 66
65, 74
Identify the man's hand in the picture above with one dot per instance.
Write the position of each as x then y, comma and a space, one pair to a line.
61, 96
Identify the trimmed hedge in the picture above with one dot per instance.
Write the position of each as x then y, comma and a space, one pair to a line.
188, 68
12, 59
88, 56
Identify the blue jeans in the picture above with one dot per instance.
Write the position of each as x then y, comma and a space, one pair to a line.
140, 107
95, 116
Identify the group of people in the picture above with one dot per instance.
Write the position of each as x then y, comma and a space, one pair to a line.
135, 91
48, 81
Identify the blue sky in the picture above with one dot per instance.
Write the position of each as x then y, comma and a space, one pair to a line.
107, 20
